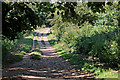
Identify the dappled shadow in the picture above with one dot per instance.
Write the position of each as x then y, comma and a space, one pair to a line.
51, 65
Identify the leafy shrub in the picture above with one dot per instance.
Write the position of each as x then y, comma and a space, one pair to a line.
84, 62
99, 38
7, 46
18, 47
27, 44
13, 58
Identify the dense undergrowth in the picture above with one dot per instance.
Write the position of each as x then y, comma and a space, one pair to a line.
86, 63
94, 45
13, 50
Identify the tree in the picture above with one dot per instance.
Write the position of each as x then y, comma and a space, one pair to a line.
18, 17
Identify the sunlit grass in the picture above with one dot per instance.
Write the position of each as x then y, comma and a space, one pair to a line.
35, 55
108, 74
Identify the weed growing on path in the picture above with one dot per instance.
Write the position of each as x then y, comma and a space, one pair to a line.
35, 55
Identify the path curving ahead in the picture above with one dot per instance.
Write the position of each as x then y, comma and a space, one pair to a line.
50, 67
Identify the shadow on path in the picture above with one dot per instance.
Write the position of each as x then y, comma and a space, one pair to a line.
50, 66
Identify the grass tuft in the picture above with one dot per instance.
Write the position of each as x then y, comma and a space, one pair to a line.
35, 55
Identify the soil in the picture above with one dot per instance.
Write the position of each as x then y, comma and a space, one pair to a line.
50, 67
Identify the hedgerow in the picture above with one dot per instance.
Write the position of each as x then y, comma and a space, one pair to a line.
98, 37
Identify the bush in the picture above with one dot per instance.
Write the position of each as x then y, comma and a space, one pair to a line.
11, 58
99, 38
13, 50
7, 46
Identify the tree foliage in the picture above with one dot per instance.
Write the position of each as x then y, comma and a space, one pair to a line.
93, 32
18, 17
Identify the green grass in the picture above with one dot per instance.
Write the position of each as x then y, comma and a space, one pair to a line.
43, 42
26, 43
38, 50
35, 55
83, 62
14, 58
23, 46
108, 74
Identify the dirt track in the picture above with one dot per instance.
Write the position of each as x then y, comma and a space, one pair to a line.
50, 67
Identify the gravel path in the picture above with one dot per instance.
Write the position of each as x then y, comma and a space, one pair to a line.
50, 67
